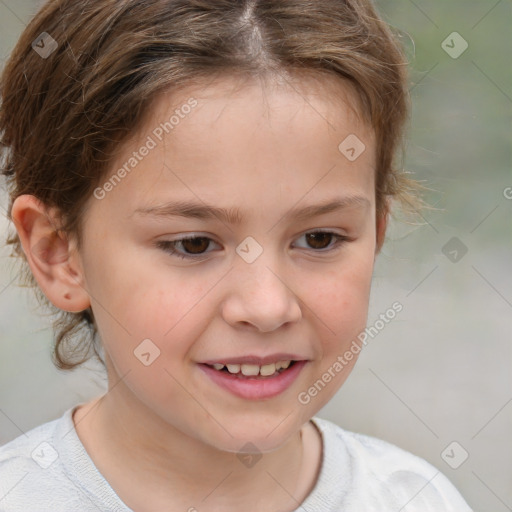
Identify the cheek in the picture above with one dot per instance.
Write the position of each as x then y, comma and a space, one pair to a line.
136, 301
339, 299
138, 292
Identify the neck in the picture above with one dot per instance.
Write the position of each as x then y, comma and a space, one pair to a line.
174, 468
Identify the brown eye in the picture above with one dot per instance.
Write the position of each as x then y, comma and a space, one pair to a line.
195, 245
322, 241
191, 247
319, 239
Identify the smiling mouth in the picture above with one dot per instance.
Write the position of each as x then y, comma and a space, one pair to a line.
253, 371
256, 386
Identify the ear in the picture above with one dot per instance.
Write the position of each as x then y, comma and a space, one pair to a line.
382, 224
53, 259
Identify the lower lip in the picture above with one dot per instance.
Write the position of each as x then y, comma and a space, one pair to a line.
255, 388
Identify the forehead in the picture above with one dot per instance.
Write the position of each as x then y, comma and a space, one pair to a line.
234, 141
322, 97
322, 100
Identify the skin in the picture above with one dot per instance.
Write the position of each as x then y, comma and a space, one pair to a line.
264, 148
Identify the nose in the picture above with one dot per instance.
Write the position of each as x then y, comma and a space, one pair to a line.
260, 297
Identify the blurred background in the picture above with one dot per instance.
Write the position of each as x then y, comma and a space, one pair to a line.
437, 379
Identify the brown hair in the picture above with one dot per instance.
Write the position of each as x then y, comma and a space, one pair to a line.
63, 114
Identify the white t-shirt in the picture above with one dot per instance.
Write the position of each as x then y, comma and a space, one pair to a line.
48, 470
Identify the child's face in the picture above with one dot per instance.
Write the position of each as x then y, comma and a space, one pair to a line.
264, 152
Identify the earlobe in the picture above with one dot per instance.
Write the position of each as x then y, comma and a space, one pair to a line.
54, 264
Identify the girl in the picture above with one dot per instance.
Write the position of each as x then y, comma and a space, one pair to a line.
200, 190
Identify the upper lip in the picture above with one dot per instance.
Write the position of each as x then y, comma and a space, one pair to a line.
253, 359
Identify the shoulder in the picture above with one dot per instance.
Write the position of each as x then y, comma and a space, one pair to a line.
28, 449
33, 474
48, 469
25, 466
388, 474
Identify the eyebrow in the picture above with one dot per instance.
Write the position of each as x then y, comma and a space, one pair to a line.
233, 216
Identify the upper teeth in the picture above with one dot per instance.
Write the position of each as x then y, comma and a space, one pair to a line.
254, 369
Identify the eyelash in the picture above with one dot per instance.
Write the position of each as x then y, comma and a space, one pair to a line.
170, 246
